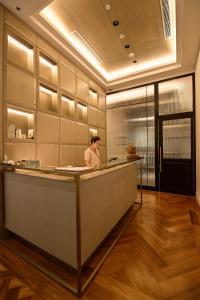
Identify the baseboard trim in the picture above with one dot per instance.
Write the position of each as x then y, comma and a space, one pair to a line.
198, 198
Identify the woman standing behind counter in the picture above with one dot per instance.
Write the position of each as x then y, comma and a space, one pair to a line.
91, 154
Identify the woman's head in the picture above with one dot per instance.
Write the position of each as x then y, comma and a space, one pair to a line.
95, 141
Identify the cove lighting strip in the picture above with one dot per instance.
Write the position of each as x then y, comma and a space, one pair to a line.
65, 99
49, 15
47, 63
82, 106
47, 91
94, 131
21, 113
18, 44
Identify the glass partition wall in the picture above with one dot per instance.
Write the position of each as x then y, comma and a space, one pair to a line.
158, 119
133, 122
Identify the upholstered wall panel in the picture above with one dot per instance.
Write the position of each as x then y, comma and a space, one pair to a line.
101, 119
102, 101
92, 116
67, 155
102, 135
67, 131
82, 89
80, 155
82, 134
47, 128
67, 79
20, 87
20, 151
48, 154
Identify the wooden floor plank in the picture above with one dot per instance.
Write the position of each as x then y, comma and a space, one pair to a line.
157, 258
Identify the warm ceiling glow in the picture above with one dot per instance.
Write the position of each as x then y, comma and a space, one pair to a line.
46, 90
16, 43
51, 18
18, 112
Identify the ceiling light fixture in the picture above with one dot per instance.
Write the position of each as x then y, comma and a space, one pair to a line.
108, 6
122, 36
115, 23
131, 55
54, 21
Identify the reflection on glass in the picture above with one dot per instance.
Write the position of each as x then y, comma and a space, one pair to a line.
134, 124
177, 139
175, 96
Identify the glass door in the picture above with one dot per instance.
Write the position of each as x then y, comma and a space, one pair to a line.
176, 153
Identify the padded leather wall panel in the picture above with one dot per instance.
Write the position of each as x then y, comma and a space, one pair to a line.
102, 101
20, 150
48, 154
20, 87
101, 119
67, 79
47, 128
67, 155
82, 135
82, 89
92, 116
80, 155
102, 135
67, 132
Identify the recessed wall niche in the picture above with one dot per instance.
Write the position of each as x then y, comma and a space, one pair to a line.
48, 99
20, 124
93, 97
67, 107
48, 68
19, 51
82, 112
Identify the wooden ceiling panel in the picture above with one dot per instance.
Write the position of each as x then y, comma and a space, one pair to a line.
140, 21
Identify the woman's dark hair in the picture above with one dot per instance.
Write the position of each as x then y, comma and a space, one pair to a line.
94, 139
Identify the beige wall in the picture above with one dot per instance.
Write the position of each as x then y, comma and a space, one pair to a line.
198, 129
60, 136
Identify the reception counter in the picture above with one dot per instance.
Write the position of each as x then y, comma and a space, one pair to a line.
68, 214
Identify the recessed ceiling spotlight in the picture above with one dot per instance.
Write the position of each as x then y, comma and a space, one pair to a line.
134, 61
115, 23
108, 6
127, 46
122, 36
18, 8
131, 55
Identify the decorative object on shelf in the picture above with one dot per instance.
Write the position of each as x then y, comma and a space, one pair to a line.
131, 150
18, 134
30, 134
11, 131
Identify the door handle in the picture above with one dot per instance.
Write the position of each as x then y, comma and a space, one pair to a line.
160, 153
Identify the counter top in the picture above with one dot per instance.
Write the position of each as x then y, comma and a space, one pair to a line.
53, 170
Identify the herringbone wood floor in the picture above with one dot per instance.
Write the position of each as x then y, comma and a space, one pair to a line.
158, 257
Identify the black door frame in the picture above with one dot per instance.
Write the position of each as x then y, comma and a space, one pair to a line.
157, 118
177, 116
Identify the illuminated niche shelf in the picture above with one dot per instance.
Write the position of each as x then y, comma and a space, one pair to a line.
92, 132
67, 107
93, 97
20, 52
48, 68
20, 124
82, 112
48, 99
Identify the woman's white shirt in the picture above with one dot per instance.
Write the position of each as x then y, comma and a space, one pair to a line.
92, 157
